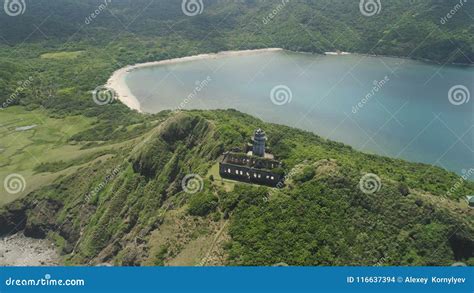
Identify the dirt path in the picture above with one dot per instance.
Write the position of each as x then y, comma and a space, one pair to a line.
213, 244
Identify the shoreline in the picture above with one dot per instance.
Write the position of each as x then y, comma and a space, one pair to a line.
117, 81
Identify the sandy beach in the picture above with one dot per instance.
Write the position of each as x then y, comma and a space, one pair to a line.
118, 84
338, 53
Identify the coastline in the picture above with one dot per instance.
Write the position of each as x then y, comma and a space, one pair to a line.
117, 81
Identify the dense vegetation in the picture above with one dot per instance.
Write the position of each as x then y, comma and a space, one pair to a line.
123, 201
404, 28
320, 218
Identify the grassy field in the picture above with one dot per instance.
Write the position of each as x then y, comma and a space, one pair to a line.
227, 184
61, 55
29, 138
39, 148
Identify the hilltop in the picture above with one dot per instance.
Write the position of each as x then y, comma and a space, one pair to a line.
131, 207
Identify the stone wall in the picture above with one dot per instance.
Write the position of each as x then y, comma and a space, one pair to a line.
247, 174
249, 161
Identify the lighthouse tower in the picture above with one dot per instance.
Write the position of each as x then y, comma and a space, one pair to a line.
259, 143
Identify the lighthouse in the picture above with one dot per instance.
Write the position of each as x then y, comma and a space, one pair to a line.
259, 139
254, 165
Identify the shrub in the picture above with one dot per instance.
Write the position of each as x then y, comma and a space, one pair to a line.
403, 189
306, 175
202, 204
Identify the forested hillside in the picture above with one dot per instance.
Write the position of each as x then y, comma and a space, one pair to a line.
110, 185
402, 27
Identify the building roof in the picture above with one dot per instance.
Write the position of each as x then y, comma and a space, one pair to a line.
259, 131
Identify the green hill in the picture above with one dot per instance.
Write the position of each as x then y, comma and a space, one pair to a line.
131, 209
402, 28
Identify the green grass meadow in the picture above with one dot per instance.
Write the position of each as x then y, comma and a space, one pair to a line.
22, 150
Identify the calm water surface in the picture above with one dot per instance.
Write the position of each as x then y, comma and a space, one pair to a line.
388, 106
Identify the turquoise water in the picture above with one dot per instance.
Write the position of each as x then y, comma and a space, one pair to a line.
389, 106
